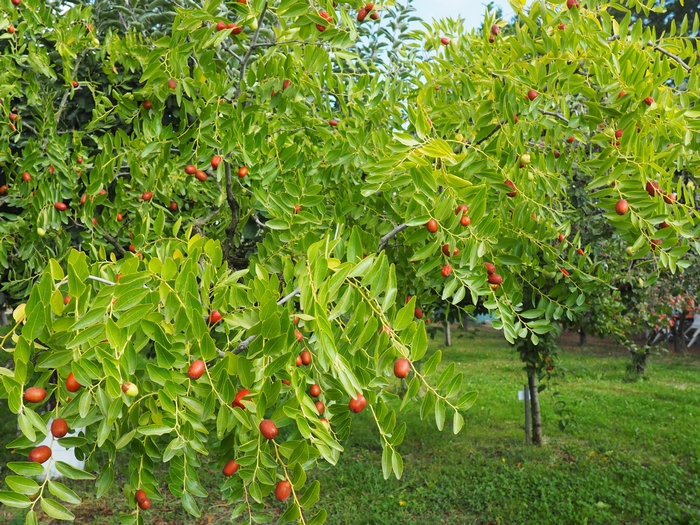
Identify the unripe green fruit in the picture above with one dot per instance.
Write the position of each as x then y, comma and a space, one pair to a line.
130, 389
530, 177
41, 232
629, 251
525, 158
254, 24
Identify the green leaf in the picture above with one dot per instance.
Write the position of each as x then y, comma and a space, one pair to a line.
56, 510
71, 472
22, 485
190, 505
432, 363
310, 497
63, 493
26, 468
318, 519
12, 499
457, 422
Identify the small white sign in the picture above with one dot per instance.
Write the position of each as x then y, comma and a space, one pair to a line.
521, 395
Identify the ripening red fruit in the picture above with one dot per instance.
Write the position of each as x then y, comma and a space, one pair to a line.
446, 270
320, 407
621, 94
242, 171
237, 30
495, 279
580, 251
268, 429
72, 384
11, 29
361, 15
374, 16
132, 248
653, 189
445, 41
446, 249
172, 83
618, 133
490, 268
296, 319
298, 360
561, 26
664, 225
315, 390
283, 490
357, 404
532, 94
75, 84
196, 369
120, 217
556, 154
40, 454
621, 207
239, 397
145, 504
432, 225
669, 198
462, 208
220, 26
561, 237
190, 169
402, 367
4, 189
564, 271
368, 7
512, 186
495, 30
570, 139
16, 3
173, 206
333, 123
571, 4
34, 394
26, 177
200, 175
465, 221
418, 313
231, 468
147, 104
298, 335
59, 428
146, 195
648, 101
214, 317
66, 299
60, 206
305, 358
215, 161
286, 84
140, 495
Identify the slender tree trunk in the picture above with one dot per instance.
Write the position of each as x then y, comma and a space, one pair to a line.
535, 410
581, 336
448, 334
678, 336
465, 320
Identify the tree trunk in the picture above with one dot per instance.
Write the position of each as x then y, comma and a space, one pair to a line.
678, 335
581, 336
535, 410
465, 320
639, 361
448, 334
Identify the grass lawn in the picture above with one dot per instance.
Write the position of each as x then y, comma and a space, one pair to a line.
631, 454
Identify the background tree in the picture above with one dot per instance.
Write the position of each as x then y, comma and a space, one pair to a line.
231, 218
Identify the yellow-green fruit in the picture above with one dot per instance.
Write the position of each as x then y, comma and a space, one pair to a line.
525, 158
459, 137
629, 251
530, 177
41, 232
130, 389
254, 24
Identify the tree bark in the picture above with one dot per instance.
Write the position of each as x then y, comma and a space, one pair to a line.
465, 321
581, 336
448, 334
678, 336
535, 409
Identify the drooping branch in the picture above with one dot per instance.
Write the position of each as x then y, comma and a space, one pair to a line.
246, 57
393, 233
233, 205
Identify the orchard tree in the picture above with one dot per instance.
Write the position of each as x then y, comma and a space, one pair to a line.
209, 236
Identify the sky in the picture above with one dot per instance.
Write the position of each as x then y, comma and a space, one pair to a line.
472, 11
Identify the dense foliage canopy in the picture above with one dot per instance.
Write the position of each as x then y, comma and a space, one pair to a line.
245, 186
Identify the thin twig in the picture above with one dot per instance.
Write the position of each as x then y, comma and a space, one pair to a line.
670, 55
244, 344
258, 222
232, 204
556, 115
114, 242
253, 41
493, 132
393, 233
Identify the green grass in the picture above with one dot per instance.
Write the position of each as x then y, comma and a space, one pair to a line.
631, 455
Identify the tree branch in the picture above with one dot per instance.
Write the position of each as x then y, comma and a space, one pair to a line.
670, 55
393, 233
114, 242
253, 41
493, 132
556, 115
232, 202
